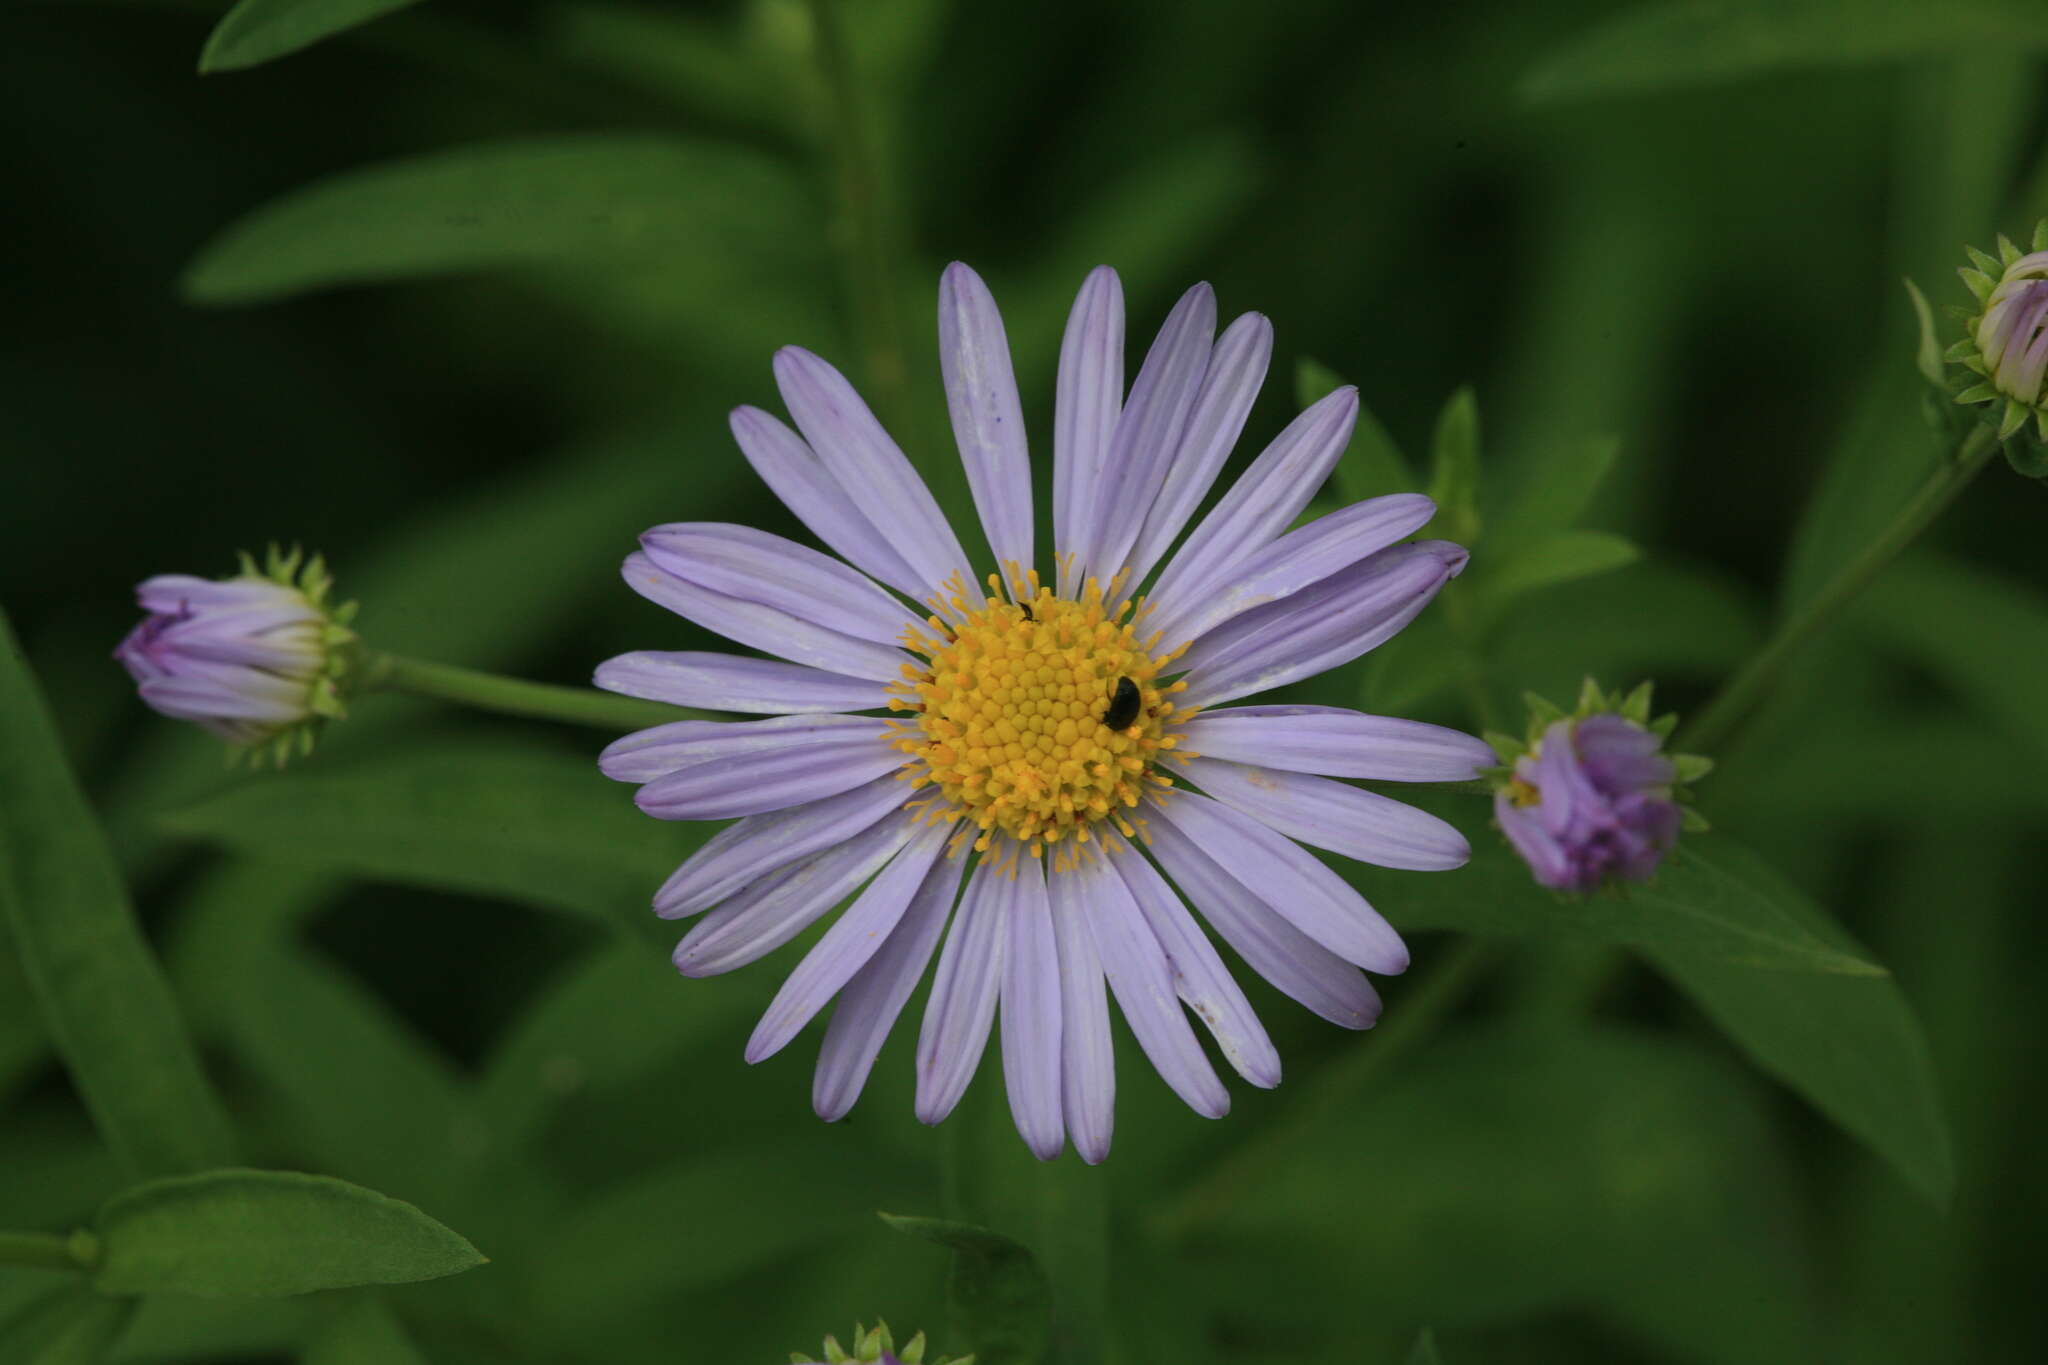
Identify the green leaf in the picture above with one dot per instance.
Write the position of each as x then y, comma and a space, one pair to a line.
101, 990
529, 825
1001, 1302
1712, 900
364, 1332
68, 1326
1454, 469
1927, 356
1550, 488
596, 198
1557, 558
1701, 42
1851, 1045
265, 1234
1424, 1351
255, 31
1372, 464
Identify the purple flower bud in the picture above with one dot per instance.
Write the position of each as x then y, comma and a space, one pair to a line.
253, 659
2007, 341
1592, 798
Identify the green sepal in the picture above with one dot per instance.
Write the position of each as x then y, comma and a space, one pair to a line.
1962, 352
2027, 459
1691, 821
2041, 235
1636, 705
1543, 713
1977, 393
1980, 284
2016, 414
1984, 261
2007, 252
1690, 768
1507, 746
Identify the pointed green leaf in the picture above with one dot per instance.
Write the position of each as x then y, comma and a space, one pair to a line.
1454, 469
596, 198
1557, 558
1001, 1301
1372, 464
266, 1234
70, 1325
1928, 355
1699, 42
1551, 487
101, 991
365, 1332
255, 31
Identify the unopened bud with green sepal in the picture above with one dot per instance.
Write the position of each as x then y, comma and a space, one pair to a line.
2006, 347
874, 1346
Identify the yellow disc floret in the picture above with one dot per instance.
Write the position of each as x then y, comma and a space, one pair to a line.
1012, 708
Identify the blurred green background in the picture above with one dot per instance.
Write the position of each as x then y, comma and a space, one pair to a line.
1683, 231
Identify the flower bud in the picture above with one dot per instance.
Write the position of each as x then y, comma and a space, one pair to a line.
1591, 798
256, 659
2007, 344
874, 1346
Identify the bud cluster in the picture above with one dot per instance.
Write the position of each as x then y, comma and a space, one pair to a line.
874, 1346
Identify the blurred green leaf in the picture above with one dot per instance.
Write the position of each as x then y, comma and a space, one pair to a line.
255, 31
1551, 487
526, 824
595, 198
1372, 464
1851, 1045
1002, 1304
364, 1332
1699, 42
100, 988
1561, 557
1985, 636
68, 1326
1712, 900
1425, 1352
231, 1234
1454, 469
682, 56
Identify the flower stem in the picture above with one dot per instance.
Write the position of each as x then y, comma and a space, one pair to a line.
42, 1251
1715, 726
865, 237
1415, 1018
515, 696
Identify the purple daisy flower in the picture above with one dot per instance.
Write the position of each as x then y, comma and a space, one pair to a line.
1592, 802
250, 658
1014, 771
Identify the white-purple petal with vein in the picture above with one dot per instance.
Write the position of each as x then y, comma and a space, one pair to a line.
769, 913
1236, 369
756, 566
734, 682
1294, 963
1325, 546
753, 847
792, 470
1086, 404
963, 999
763, 627
1087, 1056
1307, 894
854, 938
203, 697
1338, 743
1348, 820
869, 1005
756, 783
1264, 501
988, 418
871, 468
1148, 432
1324, 625
1198, 972
1143, 985
1031, 1013
662, 749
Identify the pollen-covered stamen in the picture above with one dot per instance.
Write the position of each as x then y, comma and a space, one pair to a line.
1012, 710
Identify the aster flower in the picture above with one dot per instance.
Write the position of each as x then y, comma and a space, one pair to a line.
2007, 341
1592, 799
1043, 774
255, 659
874, 1346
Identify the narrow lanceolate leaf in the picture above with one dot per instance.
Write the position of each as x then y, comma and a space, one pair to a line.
265, 1234
70, 1325
255, 31
1850, 1044
1642, 48
102, 993
1372, 465
1712, 901
1454, 469
599, 199
540, 828
1001, 1301
1556, 558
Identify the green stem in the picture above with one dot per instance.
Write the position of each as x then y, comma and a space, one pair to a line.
1471, 667
42, 1251
516, 696
1415, 1018
1715, 726
865, 238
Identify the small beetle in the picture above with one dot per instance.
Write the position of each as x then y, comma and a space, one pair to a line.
1123, 707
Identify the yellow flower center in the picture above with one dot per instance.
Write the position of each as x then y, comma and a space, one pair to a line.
1014, 710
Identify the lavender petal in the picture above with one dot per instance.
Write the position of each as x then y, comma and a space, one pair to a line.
756, 566
762, 627
756, 783
663, 749
752, 848
734, 682
963, 999
1087, 1057
1086, 405
1338, 743
1031, 1014
988, 419
1348, 820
